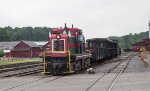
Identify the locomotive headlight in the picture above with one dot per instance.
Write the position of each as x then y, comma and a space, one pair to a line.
58, 36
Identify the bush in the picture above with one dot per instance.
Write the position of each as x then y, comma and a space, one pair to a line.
1, 53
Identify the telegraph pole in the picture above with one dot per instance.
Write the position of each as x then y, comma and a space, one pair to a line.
149, 28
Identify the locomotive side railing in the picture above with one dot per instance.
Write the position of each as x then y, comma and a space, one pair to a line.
45, 64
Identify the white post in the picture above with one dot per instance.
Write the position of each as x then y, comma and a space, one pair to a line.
149, 28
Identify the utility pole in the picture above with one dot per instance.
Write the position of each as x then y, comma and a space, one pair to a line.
149, 28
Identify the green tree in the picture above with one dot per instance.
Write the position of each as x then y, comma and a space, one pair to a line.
1, 53
4, 36
127, 40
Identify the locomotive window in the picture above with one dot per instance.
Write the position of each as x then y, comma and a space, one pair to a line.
101, 44
90, 44
58, 45
57, 33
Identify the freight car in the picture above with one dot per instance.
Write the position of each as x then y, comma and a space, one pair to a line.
63, 55
102, 48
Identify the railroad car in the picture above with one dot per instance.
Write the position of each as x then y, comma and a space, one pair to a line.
63, 55
102, 48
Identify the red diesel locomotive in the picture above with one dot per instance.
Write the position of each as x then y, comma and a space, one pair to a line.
64, 56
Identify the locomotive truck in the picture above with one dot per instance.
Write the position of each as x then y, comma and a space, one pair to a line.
63, 55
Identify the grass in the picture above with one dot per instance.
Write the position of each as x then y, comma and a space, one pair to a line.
13, 62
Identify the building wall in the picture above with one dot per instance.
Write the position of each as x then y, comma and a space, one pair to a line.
148, 47
35, 51
32, 52
20, 53
136, 48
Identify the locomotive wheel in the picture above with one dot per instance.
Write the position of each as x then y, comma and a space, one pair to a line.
53, 72
75, 67
86, 63
78, 65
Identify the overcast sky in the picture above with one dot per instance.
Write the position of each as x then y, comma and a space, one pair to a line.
97, 18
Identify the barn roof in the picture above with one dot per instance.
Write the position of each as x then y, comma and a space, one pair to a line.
7, 45
41, 43
31, 43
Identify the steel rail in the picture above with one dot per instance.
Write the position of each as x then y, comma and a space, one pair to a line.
103, 74
20, 67
42, 78
115, 79
117, 76
20, 72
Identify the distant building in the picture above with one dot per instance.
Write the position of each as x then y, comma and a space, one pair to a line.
7, 46
46, 49
26, 49
136, 47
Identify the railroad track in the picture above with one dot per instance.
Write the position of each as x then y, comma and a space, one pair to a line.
34, 81
18, 64
21, 70
117, 59
118, 69
38, 82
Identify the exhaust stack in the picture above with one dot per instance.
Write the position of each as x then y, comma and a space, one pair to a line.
65, 29
65, 25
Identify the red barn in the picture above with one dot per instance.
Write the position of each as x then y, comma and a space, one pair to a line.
25, 49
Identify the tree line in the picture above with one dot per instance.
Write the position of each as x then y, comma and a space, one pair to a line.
24, 33
41, 34
126, 41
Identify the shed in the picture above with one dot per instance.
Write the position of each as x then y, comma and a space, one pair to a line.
25, 49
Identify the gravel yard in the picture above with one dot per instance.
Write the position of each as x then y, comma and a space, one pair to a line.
135, 78
136, 65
